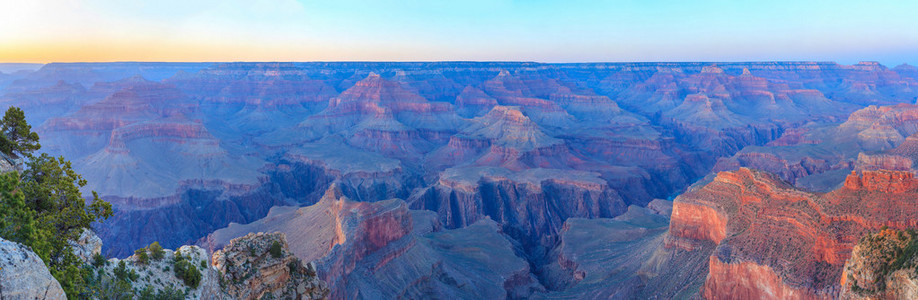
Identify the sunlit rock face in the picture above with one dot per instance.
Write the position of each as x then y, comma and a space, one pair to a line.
773, 240
527, 157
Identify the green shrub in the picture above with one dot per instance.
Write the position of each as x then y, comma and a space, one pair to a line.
170, 293
156, 251
276, 250
186, 271
142, 257
147, 293
111, 288
294, 267
203, 264
121, 272
98, 260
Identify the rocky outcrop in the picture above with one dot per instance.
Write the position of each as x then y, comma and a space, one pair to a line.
160, 274
24, 276
882, 266
260, 265
250, 267
86, 246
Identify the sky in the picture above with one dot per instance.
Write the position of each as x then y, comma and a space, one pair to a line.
435, 30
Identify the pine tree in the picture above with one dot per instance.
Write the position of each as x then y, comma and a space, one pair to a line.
42, 206
16, 137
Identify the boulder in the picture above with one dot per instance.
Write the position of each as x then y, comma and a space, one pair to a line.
24, 276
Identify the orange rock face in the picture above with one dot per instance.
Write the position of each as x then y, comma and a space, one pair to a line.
699, 222
748, 280
775, 241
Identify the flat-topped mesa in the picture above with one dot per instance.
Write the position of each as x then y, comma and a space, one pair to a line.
872, 66
892, 162
714, 69
173, 131
882, 181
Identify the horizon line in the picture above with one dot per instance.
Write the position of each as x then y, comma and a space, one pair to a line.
453, 61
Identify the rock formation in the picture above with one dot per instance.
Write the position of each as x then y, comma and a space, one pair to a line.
524, 154
882, 266
24, 276
773, 240
271, 271
87, 245
251, 267
382, 249
818, 158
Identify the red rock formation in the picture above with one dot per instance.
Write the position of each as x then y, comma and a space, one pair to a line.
774, 240
747, 280
698, 222
882, 181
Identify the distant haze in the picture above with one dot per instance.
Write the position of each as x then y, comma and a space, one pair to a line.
416, 30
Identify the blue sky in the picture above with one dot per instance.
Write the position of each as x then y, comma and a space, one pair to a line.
400, 30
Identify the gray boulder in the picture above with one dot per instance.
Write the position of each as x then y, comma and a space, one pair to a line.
24, 276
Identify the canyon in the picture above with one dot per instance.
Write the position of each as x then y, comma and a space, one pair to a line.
498, 179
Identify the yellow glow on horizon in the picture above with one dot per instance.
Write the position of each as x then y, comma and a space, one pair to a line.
151, 51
